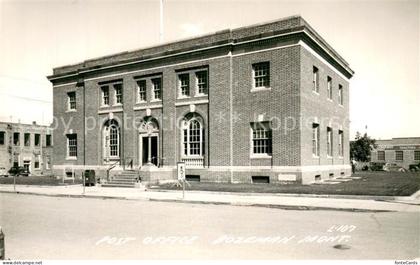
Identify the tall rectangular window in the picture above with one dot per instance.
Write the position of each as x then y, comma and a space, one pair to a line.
202, 82
329, 87
118, 93
417, 155
48, 140
105, 95
72, 145
16, 138
340, 94
315, 79
381, 155
340, 143
157, 88
37, 139
261, 72
399, 155
27, 139
315, 139
37, 161
184, 85
142, 94
329, 142
71, 100
261, 138
2, 136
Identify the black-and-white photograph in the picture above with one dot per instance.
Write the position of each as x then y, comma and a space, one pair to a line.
209, 130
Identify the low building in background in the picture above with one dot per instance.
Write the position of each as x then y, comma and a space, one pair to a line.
400, 151
26, 145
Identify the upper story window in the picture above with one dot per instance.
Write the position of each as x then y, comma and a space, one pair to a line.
261, 73
72, 145
329, 142
329, 87
141, 91
184, 85
71, 100
202, 82
315, 139
261, 138
157, 88
315, 79
48, 140
16, 138
37, 140
399, 155
27, 139
105, 95
118, 93
2, 136
340, 94
381, 155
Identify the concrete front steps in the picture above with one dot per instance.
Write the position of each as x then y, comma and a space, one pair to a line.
124, 179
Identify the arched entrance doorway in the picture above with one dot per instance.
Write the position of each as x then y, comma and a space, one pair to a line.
149, 143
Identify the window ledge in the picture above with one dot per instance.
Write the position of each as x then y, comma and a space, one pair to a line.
329, 99
315, 156
117, 105
329, 157
258, 89
200, 95
260, 156
316, 93
155, 100
183, 97
71, 158
71, 110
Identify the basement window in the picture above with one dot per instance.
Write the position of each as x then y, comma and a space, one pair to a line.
317, 177
260, 179
331, 175
195, 178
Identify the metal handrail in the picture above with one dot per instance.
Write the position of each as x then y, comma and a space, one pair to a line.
110, 168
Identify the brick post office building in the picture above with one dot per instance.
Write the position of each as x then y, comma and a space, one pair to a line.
265, 102
402, 151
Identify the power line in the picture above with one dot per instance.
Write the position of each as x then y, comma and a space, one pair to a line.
27, 98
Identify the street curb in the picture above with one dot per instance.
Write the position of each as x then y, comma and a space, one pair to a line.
263, 205
324, 196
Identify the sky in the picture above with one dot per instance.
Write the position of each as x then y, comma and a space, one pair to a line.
378, 38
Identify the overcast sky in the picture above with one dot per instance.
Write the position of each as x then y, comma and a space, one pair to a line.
379, 39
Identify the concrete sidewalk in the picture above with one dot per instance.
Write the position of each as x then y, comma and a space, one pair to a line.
282, 201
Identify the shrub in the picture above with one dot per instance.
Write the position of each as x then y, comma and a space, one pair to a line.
377, 166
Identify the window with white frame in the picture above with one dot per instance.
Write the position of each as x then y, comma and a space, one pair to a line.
72, 145
340, 143
329, 88
202, 82
118, 93
16, 138
381, 155
315, 79
105, 95
111, 136
417, 155
329, 142
261, 73
261, 138
192, 137
142, 91
27, 139
184, 85
157, 88
340, 95
399, 155
315, 139
48, 140
71, 100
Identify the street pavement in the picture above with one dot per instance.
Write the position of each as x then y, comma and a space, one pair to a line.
45, 227
286, 201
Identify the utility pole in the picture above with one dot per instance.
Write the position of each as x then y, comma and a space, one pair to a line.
161, 22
